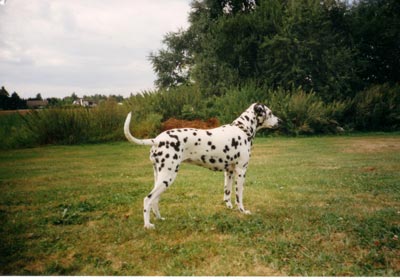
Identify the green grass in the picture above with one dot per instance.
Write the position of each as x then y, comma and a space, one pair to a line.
321, 206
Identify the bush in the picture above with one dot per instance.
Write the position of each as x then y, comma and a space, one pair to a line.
305, 113
75, 125
147, 127
229, 106
13, 133
377, 108
301, 112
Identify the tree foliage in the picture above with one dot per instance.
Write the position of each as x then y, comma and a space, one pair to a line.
326, 46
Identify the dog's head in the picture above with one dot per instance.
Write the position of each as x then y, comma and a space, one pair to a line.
264, 116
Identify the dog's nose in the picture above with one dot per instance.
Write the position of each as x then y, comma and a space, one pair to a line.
279, 122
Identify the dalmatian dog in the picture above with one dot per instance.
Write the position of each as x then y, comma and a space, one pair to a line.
226, 148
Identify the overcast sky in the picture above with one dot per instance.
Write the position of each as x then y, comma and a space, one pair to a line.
57, 47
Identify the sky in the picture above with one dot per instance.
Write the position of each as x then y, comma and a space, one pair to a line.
57, 47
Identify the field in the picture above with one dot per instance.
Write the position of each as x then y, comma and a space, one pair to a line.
321, 206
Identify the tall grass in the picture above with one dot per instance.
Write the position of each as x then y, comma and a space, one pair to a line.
303, 113
67, 125
378, 108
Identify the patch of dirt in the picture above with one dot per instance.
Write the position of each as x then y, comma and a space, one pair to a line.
176, 123
10, 112
372, 145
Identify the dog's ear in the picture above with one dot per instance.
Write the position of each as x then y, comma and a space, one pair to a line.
259, 109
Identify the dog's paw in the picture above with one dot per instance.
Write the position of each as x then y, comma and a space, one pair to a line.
247, 212
229, 205
149, 226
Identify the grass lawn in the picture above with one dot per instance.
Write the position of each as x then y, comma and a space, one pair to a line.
321, 206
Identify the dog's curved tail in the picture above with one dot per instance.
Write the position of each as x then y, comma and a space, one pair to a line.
130, 137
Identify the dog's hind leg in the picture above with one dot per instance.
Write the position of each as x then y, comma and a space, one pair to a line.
228, 188
156, 211
154, 205
163, 181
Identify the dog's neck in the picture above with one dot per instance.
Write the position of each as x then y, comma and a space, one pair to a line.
248, 123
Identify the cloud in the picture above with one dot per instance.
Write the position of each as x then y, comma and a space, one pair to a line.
87, 47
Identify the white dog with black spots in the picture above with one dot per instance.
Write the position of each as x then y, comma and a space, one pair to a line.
226, 148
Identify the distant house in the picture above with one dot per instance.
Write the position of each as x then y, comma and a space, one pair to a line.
36, 104
84, 103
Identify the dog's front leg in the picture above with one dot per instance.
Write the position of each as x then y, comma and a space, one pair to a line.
228, 188
240, 178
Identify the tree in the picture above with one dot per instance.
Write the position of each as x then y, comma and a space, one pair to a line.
4, 96
14, 101
172, 64
326, 46
375, 28
39, 96
309, 52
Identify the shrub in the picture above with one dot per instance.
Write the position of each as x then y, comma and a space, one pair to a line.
147, 127
377, 108
305, 113
75, 125
229, 106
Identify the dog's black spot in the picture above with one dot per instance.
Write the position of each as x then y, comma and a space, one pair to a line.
176, 145
220, 160
149, 196
162, 143
166, 184
237, 198
175, 156
209, 143
203, 158
227, 192
159, 153
208, 133
174, 136
212, 160
177, 168
167, 155
185, 139
226, 149
234, 143
194, 133
246, 117
213, 147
